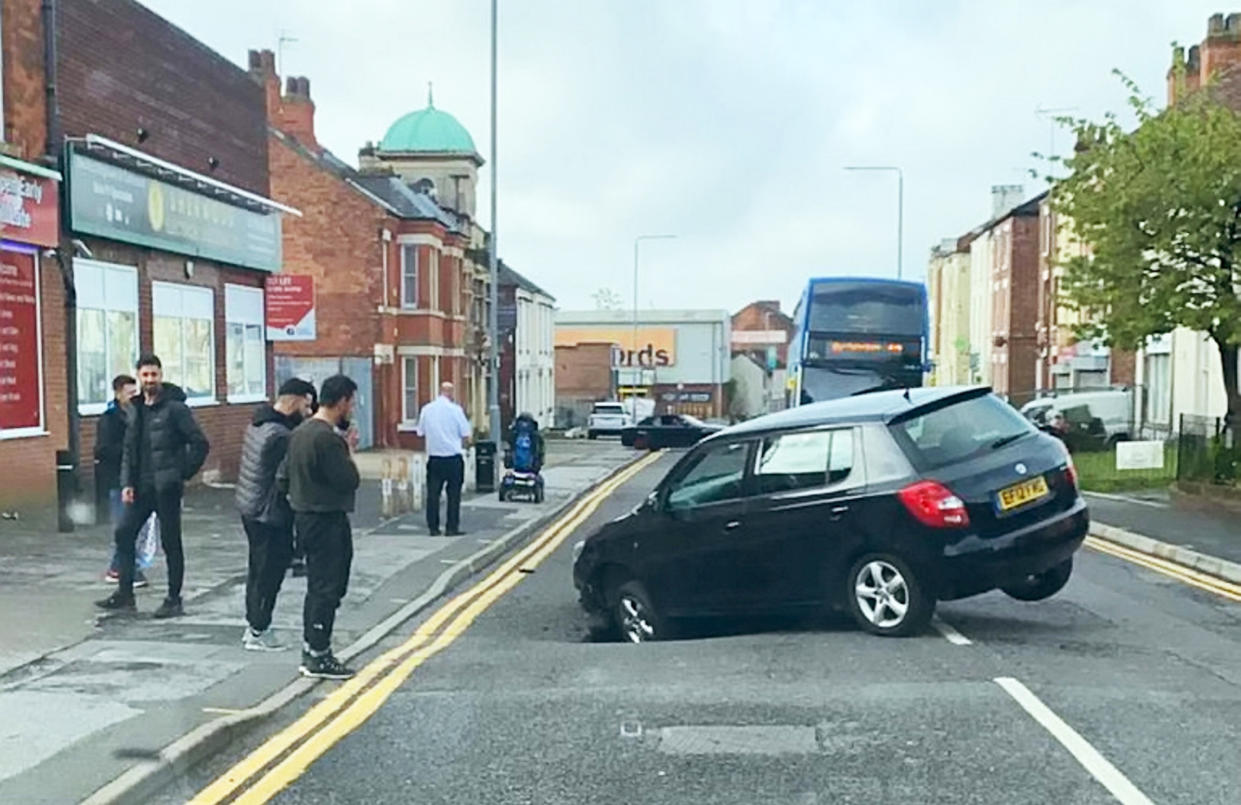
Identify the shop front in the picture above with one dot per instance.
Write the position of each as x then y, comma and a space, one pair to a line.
32, 426
172, 262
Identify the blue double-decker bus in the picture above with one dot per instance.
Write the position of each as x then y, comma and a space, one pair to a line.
855, 335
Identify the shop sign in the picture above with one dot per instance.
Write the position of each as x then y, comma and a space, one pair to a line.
654, 346
29, 209
21, 403
120, 204
290, 307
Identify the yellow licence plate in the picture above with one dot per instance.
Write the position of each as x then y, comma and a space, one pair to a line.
1023, 493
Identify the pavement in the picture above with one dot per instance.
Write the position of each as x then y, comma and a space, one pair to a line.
1126, 686
84, 698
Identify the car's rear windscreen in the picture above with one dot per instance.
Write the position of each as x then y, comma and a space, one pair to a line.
958, 431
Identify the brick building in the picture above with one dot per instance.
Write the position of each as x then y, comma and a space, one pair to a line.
761, 332
396, 300
33, 394
168, 232
1014, 300
584, 376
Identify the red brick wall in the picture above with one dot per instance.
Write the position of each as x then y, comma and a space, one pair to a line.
584, 371
123, 67
764, 316
1022, 305
25, 119
224, 424
336, 241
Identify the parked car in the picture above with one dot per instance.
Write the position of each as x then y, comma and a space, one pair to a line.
1085, 420
667, 430
607, 419
883, 503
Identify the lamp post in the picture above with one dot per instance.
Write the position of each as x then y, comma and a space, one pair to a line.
634, 343
493, 323
900, 209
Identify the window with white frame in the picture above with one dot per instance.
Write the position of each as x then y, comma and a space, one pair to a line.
183, 324
107, 297
409, 275
433, 273
409, 389
244, 343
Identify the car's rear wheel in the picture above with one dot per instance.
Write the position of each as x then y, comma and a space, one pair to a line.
886, 597
637, 620
1043, 585
592, 435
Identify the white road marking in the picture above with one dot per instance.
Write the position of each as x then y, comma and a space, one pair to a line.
222, 711
1098, 766
1127, 499
950, 634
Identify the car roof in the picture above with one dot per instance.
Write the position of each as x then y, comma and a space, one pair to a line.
876, 406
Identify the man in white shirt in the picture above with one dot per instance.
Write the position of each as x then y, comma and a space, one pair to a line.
444, 426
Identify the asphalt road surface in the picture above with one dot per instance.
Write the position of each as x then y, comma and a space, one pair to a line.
1125, 687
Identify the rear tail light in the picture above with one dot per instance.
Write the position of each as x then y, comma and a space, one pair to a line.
934, 505
1070, 469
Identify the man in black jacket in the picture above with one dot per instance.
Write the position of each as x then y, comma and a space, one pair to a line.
320, 479
265, 513
163, 449
109, 444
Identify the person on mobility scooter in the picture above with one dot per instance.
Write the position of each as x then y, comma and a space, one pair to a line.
523, 461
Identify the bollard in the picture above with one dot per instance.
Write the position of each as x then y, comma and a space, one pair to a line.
385, 486
404, 487
418, 478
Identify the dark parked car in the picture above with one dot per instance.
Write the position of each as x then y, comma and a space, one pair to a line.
667, 430
882, 503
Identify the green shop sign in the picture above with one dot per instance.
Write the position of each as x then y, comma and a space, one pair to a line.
116, 203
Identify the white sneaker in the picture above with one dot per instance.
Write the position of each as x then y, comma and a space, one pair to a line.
263, 641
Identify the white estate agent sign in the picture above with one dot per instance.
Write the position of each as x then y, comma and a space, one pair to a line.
1146, 455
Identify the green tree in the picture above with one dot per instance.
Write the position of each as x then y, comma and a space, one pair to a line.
1160, 208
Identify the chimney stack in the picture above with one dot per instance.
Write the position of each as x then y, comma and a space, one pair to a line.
1004, 197
263, 70
1219, 51
297, 112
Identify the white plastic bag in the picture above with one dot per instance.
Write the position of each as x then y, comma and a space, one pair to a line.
148, 542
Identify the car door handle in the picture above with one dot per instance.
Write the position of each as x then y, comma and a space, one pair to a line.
838, 512
731, 525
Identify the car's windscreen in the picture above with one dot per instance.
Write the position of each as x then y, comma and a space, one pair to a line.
867, 308
819, 383
961, 430
609, 410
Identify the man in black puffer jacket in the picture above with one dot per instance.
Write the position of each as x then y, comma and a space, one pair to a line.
265, 513
164, 448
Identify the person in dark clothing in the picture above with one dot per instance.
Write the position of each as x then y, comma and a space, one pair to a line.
109, 444
298, 566
265, 513
163, 448
320, 479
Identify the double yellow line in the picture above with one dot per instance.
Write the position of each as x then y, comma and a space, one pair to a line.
1179, 572
345, 709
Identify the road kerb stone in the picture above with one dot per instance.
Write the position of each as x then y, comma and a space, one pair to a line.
1201, 562
144, 780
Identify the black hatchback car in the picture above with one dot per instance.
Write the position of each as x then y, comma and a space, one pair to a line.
883, 503
667, 430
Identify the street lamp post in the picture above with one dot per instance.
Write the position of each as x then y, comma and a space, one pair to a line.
493, 323
634, 343
900, 209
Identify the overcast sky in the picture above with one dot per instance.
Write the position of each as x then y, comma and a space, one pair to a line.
724, 122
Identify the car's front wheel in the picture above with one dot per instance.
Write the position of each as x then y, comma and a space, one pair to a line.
636, 619
886, 597
1043, 585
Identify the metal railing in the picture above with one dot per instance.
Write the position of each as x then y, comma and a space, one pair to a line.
1208, 451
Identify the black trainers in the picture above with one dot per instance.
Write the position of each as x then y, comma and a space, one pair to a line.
454, 532
118, 603
324, 667
171, 608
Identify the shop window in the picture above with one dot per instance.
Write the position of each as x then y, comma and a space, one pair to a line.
183, 319
107, 296
244, 343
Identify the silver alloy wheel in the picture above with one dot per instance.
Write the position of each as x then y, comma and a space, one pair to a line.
882, 594
635, 625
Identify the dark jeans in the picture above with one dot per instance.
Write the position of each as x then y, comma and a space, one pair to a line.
328, 543
166, 503
116, 510
271, 550
444, 471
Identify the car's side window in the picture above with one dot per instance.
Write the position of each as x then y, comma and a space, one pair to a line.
796, 461
716, 476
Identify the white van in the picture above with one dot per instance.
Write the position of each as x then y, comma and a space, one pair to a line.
1106, 414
